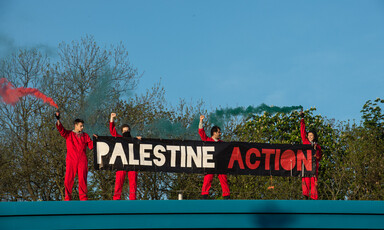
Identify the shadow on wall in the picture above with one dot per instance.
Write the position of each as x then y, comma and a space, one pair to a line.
271, 215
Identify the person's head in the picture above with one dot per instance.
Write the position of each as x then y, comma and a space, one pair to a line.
79, 125
215, 132
312, 136
125, 128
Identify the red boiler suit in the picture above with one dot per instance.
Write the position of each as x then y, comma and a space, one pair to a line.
310, 183
208, 177
76, 161
120, 175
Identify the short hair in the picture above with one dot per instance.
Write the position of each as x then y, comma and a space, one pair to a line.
75, 122
215, 129
126, 126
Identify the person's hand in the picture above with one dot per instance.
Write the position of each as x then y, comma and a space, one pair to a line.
95, 135
138, 137
113, 115
57, 115
202, 117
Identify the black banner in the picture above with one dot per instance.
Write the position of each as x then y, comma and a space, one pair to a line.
129, 154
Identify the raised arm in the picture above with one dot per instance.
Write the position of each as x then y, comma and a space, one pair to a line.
303, 133
112, 128
63, 132
202, 133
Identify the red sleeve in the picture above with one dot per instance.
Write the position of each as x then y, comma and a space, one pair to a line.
319, 152
112, 129
63, 132
202, 134
89, 142
303, 132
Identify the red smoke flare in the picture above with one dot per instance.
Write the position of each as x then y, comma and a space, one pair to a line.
11, 95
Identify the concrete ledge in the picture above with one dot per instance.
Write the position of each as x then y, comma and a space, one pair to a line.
193, 214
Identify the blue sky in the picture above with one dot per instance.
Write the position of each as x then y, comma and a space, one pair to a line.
323, 54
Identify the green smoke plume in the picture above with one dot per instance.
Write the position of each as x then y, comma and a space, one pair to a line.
166, 129
221, 115
97, 103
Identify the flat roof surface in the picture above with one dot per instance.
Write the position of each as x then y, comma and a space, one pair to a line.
193, 214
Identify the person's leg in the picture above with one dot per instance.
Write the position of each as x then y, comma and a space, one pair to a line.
120, 177
206, 184
132, 177
70, 174
224, 185
305, 182
82, 175
314, 194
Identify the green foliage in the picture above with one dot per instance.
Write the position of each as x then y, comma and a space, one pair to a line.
91, 82
284, 128
364, 148
373, 118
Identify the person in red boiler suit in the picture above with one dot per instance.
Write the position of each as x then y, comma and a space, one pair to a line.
121, 174
309, 184
215, 136
76, 160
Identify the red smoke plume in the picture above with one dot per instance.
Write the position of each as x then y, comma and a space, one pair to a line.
11, 95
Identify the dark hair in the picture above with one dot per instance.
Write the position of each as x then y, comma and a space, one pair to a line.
75, 122
314, 134
214, 129
126, 126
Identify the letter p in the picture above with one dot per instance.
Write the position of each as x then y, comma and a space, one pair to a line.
102, 150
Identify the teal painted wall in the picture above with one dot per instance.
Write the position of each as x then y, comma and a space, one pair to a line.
175, 214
